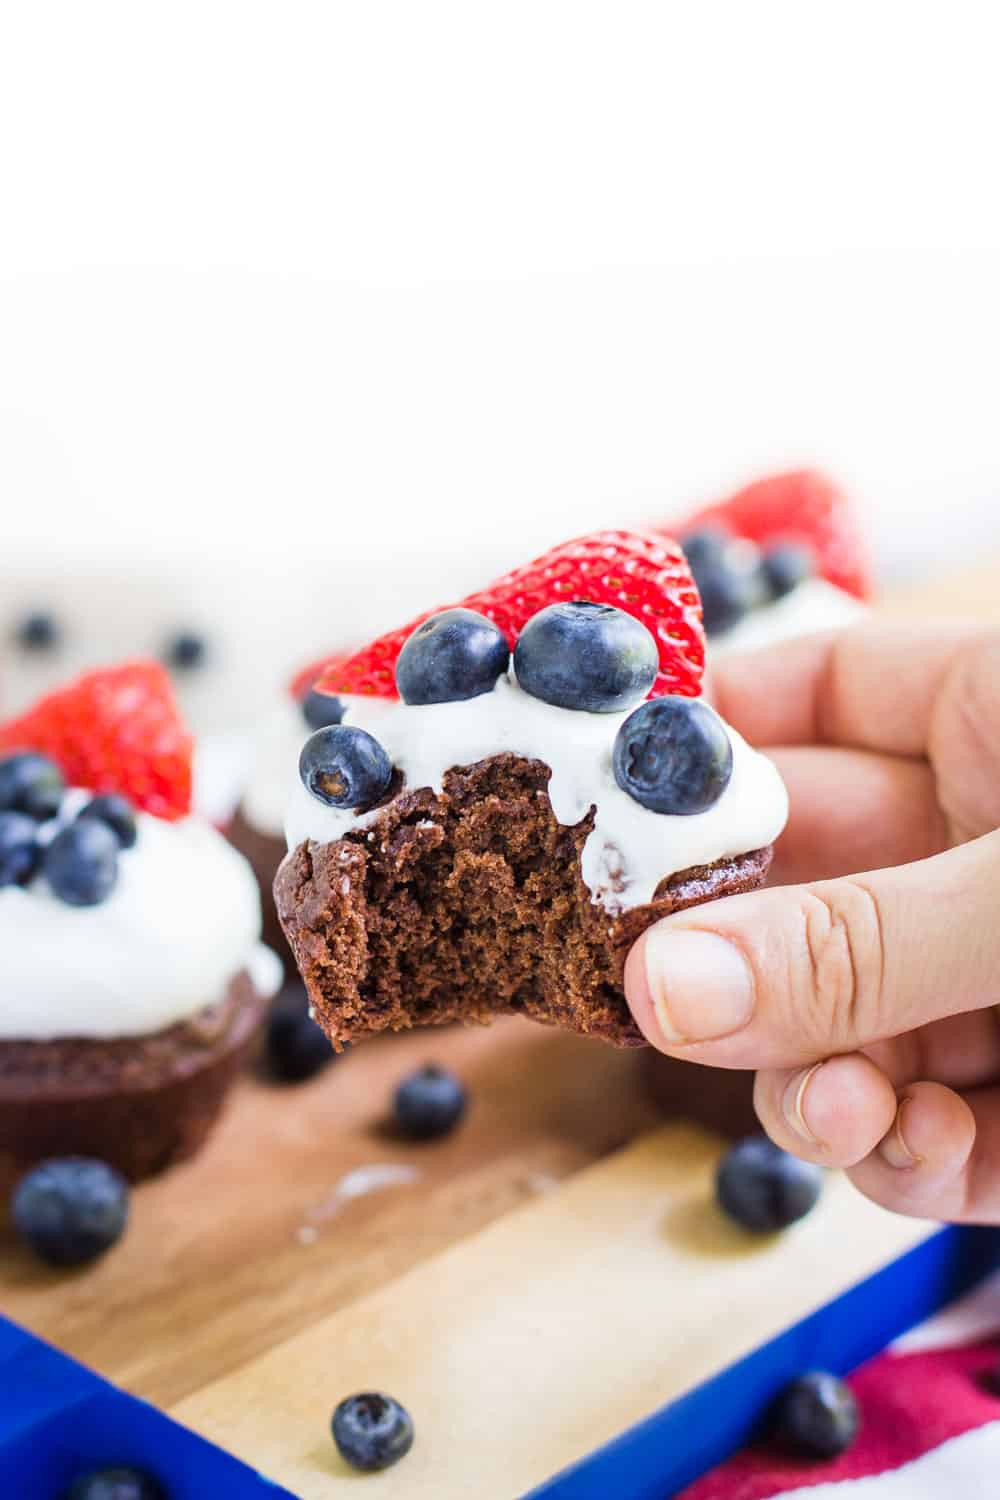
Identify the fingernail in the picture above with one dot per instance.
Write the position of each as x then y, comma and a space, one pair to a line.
893, 1148
700, 985
794, 1104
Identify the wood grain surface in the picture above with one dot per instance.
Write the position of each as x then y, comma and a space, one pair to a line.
252, 1241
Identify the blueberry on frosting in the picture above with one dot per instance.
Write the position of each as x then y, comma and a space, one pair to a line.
32, 784
81, 862
185, 651
455, 655
321, 709
344, 767
784, 567
118, 813
20, 850
591, 657
38, 631
673, 755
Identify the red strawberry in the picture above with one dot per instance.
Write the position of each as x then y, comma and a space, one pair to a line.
802, 506
307, 677
114, 730
645, 575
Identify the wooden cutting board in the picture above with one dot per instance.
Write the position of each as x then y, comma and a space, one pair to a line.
283, 1244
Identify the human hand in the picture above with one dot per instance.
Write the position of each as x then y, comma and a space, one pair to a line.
865, 1001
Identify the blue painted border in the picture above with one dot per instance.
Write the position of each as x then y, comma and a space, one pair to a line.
659, 1456
58, 1419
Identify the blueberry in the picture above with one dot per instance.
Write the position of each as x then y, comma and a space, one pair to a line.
185, 651
586, 656
296, 1045
344, 767
117, 812
321, 709
38, 631
118, 1483
32, 784
454, 655
728, 593
707, 545
784, 567
764, 1188
71, 1209
81, 863
372, 1431
428, 1104
20, 851
817, 1416
673, 755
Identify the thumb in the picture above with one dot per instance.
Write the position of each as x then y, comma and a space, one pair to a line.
787, 976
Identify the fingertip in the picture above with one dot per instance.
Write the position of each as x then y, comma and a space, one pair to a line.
920, 1165
834, 1113
933, 1128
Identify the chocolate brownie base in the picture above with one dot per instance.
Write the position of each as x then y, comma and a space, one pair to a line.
264, 852
470, 904
141, 1103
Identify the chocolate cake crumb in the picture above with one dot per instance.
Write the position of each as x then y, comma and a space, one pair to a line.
470, 904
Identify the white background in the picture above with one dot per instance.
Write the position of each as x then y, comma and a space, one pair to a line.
315, 282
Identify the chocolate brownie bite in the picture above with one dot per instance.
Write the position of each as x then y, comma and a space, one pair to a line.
496, 841
133, 973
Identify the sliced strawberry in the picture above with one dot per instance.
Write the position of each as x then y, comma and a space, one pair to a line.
114, 730
802, 506
307, 677
647, 576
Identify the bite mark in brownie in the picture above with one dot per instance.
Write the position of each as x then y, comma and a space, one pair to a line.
469, 904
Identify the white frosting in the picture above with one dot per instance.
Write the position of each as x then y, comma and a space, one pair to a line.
275, 762
630, 848
182, 920
813, 605
221, 766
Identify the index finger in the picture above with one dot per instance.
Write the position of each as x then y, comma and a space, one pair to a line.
872, 687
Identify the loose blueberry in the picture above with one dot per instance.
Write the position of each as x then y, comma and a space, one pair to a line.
673, 755
185, 651
321, 709
344, 767
454, 655
817, 1416
296, 1046
71, 1209
764, 1188
586, 656
81, 863
117, 1483
429, 1103
784, 567
32, 784
728, 592
38, 631
20, 851
372, 1431
117, 812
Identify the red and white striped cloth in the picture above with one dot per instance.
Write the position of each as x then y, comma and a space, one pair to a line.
930, 1412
